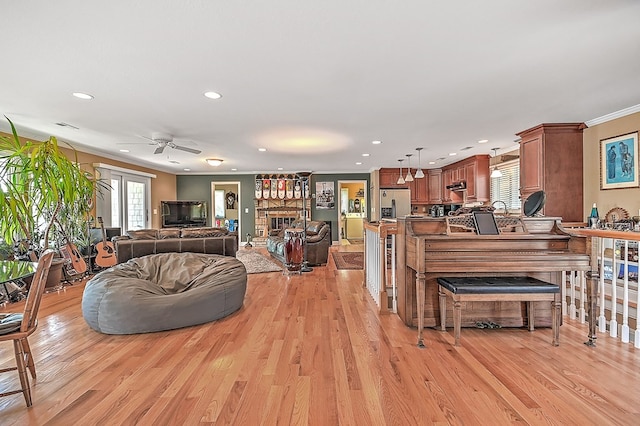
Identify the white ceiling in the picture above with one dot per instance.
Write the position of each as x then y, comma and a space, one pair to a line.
314, 82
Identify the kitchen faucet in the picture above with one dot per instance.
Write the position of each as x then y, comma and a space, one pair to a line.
506, 210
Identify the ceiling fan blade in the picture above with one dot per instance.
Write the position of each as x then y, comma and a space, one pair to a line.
159, 150
184, 148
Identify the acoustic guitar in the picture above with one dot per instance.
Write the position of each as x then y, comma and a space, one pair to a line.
106, 256
76, 264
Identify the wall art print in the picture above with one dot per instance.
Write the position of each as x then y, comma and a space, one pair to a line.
619, 162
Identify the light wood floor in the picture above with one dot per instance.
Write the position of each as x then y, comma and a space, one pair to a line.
314, 350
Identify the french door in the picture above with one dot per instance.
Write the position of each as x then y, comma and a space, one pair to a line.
129, 202
125, 204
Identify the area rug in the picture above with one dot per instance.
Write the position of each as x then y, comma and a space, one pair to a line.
256, 262
348, 259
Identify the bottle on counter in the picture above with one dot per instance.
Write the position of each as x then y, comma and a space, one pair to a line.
594, 218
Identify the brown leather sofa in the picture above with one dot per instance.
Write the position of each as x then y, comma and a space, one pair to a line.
318, 241
142, 242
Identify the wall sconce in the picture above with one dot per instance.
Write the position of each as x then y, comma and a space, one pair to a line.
400, 178
215, 162
419, 173
409, 178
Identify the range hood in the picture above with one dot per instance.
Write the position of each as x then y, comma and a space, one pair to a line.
458, 186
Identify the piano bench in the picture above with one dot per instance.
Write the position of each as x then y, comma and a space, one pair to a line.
496, 289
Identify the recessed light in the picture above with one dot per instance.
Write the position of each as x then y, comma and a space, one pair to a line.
234, 170
187, 170
376, 142
358, 163
483, 141
451, 154
124, 150
432, 162
215, 162
280, 168
262, 149
365, 155
81, 95
213, 95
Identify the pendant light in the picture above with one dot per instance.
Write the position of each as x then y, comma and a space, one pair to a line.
400, 178
495, 173
409, 178
419, 173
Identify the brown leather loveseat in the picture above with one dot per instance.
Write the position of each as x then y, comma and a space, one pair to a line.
318, 241
142, 242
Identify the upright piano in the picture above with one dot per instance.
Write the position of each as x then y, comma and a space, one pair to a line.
431, 247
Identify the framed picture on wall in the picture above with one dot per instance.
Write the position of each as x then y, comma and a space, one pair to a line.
619, 162
325, 195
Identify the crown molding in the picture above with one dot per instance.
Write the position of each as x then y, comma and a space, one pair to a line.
613, 115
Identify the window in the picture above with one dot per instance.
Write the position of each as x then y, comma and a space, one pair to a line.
507, 187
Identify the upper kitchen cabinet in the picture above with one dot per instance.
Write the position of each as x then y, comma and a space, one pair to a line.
551, 161
435, 186
419, 189
475, 172
389, 178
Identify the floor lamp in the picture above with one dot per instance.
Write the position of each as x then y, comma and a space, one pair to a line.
304, 177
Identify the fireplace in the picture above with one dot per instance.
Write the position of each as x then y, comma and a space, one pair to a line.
281, 222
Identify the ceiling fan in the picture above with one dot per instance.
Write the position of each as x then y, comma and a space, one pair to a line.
164, 140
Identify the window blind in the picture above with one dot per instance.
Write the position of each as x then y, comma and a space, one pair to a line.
507, 187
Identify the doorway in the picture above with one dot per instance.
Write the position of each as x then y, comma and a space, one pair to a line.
225, 206
352, 210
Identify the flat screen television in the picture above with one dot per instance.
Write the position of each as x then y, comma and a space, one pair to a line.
183, 213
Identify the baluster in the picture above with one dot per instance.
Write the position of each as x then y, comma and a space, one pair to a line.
602, 320
572, 306
625, 296
563, 291
613, 324
636, 337
583, 312
393, 272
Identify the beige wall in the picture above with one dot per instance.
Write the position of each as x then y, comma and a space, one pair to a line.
163, 187
628, 199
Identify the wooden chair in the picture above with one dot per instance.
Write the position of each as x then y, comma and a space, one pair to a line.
28, 325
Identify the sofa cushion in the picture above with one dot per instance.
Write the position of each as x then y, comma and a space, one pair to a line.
168, 233
143, 234
314, 227
203, 232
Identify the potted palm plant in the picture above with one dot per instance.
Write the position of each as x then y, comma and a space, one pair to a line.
39, 182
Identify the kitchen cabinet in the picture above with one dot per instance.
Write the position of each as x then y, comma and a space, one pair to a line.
551, 161
447, 178
419, 189
389, 178
435, 186
478, 178
475, 172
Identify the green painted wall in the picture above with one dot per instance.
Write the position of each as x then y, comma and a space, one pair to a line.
199, 188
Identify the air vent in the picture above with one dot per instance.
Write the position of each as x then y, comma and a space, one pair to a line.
62, 124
